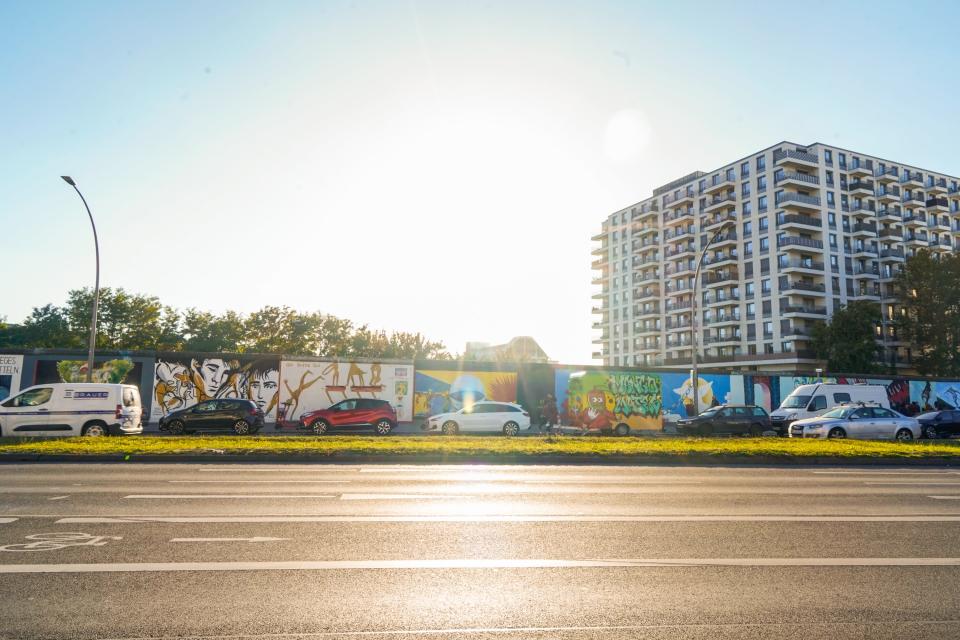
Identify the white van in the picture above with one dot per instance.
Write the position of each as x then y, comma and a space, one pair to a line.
72, 409
812, 400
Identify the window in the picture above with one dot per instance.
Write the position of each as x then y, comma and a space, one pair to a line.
842, 157
748, 247
833, 240
748, 288
764, 223
828, 156
880, 412
206, 407
831, 200
130, 398
751, 309
747, 228
759, 412
832, 219
731, 174
819, 403
761, 163
765, 286
762, 203
745, 189
840, 398
744, 169
829, 178
761, 183
764, 244
346, 405
31, 398
747, 208
834, 263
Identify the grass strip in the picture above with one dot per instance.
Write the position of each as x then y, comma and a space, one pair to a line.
466, 446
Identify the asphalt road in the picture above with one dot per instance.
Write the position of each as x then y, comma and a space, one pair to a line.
330, 551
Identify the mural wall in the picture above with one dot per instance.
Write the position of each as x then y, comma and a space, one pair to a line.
934, 395
305, 386
713, 390
116, 371
441, 391
10, 368
600, 400
181, 381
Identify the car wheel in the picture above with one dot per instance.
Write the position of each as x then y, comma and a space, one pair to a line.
175, 428
320, 427
241, 427
383, 427
511, 429
95, 430
904, 435
756, 430
622, 430
930, 432
449, 428
837, 433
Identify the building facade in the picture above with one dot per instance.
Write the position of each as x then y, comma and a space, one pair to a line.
805, 229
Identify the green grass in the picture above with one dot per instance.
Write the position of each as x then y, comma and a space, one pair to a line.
466, 446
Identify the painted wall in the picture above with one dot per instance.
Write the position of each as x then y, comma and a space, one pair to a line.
597, 399
183, 380
310, 385
10, 368
438, 391
713, 389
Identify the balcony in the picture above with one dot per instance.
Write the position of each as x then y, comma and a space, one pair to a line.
679, 252
679, 307
678, 216
889, 214
650, 276
939, 246
678, 234
718, 279
597, 355
939, 223
891, 234
801, 287
721, 340
937, 187
718, 202
724, 319
722, 299
645, 294
790, 157
863, 209
720, 259
918, 240
685, 198
601, 264
796, 179
911, 179
913, 200
646, 212
889, 194
937, 205
798, 221
866, 273
868, 229
599, 251
913, 220
801, 266
788, 199
895, 255
645, 229
797, 241
860, 168
861, 188
719, 183
866, 294
647, 312
864, 251
678, 270
802, 311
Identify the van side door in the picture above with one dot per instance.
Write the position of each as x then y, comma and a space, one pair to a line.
29, 414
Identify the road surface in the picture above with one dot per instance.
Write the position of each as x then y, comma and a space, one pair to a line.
396, 552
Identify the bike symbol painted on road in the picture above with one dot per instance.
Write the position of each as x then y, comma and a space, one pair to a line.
59, 540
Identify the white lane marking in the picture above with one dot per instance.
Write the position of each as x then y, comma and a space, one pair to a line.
945, 497
498, 518
282, 469
613, 481
219, 496
400, 496
919, 483
886, 473
258, 481
254, 539
58, 498
7, 520
473, 563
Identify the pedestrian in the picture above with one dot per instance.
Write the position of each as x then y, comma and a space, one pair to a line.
549, 413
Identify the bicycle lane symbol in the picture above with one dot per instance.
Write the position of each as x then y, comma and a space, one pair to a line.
59, 540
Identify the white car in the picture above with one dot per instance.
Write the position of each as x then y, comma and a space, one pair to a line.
858, 422
73, 409
502, 417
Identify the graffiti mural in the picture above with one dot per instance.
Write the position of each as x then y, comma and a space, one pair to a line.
935, 395
10, 368
599, 400
442, 391
713, 390
306, 386
183, 381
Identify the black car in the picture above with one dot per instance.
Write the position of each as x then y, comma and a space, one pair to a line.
733, 419
226, 414
939, 424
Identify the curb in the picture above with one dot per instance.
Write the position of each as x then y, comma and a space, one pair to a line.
458, 459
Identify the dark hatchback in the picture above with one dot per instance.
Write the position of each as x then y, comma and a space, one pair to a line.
242, 417
939, 424
730, 419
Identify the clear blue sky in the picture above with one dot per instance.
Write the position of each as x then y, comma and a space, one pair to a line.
434, 167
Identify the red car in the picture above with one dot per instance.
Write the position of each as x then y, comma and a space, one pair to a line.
352, 414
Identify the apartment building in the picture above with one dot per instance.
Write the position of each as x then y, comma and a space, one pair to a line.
804, 229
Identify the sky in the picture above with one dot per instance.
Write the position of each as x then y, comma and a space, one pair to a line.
435, 167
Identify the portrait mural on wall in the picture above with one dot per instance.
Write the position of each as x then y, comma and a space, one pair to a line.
182, 381
310, 385
599, 400
443, 391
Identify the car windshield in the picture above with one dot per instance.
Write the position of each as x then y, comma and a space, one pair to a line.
839, 412
709, 413
795, 402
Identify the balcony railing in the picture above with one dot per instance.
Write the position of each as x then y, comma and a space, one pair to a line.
891, 253
806, 286
869, 227
937, 202
800, 242
798, 177
784, 219
795, 155
790, 308
861, 184
801, 264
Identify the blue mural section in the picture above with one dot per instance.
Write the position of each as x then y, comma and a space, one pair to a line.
678, 395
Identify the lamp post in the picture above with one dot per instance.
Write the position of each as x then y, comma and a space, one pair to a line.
694, 377
96, 285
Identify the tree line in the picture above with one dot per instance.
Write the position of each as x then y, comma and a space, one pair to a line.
130, 321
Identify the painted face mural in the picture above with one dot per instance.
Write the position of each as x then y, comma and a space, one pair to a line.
262, 388
210, 374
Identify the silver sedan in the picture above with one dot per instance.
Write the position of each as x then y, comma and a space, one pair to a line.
861, 423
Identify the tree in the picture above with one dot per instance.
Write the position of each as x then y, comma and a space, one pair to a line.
848, 340
46, 327
204, 331
125, 320
928, 292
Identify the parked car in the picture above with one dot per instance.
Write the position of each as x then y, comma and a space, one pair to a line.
811, 400
73, 409
504, 417
858, 422
733, 419
243, 417
352, 414
939, 424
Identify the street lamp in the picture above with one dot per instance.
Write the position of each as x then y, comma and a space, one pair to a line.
694, 377
96, 286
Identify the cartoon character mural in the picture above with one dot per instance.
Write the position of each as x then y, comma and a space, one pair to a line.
712, 390
183, 381
443, 391
309, 385
10, 368
600, 400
